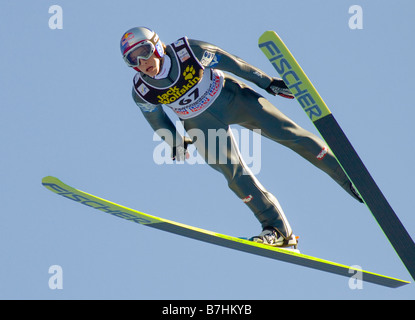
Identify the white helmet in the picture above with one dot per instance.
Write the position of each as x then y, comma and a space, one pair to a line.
140, 43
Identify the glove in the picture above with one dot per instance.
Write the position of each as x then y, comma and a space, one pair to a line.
179, 152
278, 87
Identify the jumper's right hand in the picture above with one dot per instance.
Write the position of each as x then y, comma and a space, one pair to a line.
179, 152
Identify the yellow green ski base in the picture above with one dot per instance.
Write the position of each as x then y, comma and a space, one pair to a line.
310, 100
60, 188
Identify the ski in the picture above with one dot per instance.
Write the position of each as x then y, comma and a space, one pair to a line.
60, 188
318, 112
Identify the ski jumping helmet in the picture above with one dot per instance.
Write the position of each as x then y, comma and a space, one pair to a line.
140, 43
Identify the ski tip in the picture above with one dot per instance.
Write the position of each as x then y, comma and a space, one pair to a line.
267, 33
50, 179
47, 178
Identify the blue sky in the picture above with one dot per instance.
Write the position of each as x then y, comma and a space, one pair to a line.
66, 110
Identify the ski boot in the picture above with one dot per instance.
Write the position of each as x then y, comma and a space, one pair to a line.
271, 237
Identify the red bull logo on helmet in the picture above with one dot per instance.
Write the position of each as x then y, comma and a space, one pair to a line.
125, 41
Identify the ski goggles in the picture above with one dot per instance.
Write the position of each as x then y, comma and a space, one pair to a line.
143, 50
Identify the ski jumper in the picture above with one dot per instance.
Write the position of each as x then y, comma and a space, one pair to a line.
192, 83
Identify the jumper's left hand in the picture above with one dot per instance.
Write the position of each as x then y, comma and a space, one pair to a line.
278, 87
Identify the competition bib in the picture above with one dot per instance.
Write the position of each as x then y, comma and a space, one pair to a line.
194, 90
